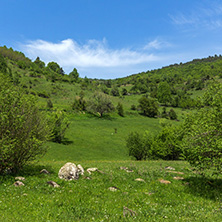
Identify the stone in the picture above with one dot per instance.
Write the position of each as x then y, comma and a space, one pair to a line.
18, 184
164, 181
69, 172
169, 168
44, 171
53, 184
80, 169
20, 178
113, 189
140, 179
178, 178
169, 171
90, 170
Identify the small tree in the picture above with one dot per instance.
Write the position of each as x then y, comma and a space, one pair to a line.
139, 146
148, 106
100, 103
203, 139
172, 114
59, 124
74, 75
23, 128
119, 108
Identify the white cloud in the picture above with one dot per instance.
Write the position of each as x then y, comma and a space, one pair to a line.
205, 17
94, 56
157, 45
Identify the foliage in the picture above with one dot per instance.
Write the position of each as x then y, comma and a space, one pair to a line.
49, 104
79, 103
100, 103
119, 109
172, 114
164, 93
23, 128
3, 65
74, 75
203, 140
166, 144
139, 146
59, 123
148, 106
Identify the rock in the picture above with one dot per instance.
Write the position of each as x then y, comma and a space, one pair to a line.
169, 168
178, 178
129, 171
123, 168
53, 184
90, 170
20, 178
164, 181
88, 178
80, 169
169, 171
113, 189
139, 179
18, 184
69, 172
44, 171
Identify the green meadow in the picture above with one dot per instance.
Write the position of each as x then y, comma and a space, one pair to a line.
96, 142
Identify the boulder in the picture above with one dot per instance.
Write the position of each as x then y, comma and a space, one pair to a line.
53, 184
80, 169
18, 184
69, 172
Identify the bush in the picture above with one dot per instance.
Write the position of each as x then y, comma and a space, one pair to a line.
203, 141
100, 103
139, 146
59, 123
119, 108
148, 106
23, 128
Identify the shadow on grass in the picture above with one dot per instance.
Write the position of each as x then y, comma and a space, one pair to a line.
34, 170
205, 187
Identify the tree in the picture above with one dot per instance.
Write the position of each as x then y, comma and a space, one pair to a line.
59, 124
148, 106
3, 65
172, 114
164, 93
119, 108
74, 75
24, 129
39, 63
203, 133
100, 103
139, 145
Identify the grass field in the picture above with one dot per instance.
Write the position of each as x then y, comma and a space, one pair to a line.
191, 199
92, 142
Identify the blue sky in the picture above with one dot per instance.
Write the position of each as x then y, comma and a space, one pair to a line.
112, 38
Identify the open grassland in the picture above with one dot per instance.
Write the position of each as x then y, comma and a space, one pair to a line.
192, 199
97, 142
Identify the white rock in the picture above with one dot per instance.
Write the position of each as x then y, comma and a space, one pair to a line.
80, 169
69, 172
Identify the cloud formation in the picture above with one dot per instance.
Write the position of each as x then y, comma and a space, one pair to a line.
208, 17
93, 55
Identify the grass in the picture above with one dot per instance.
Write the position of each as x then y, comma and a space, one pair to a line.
91, 200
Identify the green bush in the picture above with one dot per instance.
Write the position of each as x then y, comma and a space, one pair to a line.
148, 106
23, 128
203, 140
139, 145
119, 109
59, 123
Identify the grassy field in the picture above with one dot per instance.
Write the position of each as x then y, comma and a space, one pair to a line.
191, 199
92, 142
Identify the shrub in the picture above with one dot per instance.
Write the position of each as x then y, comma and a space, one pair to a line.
100, 103
203, 141
59, 123
23, 128
139, 146
148, 106
120, 109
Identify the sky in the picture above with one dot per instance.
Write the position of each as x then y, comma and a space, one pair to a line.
112, 38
